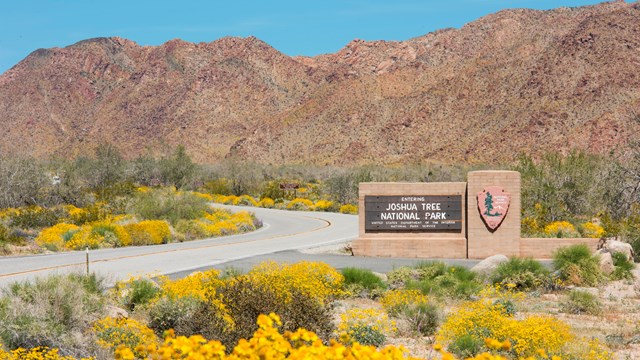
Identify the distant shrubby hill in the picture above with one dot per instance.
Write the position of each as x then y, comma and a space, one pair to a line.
511, 82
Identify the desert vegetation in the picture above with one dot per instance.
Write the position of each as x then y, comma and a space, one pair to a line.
519, 310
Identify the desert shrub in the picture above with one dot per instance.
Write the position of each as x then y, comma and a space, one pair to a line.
165, 204
220, 186
560, 186
91, 213
149, 232
113, 333
54, 311
176, 313
423, 318
577, 265
96, 235
9, 237
395, 302
475, 321
507, 305
591, 230
466, 346
55, 237
266, 342
300, 204
316, 280
245, 200
366, 326
561, 229
137, 292
192, 229
245, 300
523, 274
438, 279
37, 353
348, 209
581, 302
266, 203
364, 278
398, 277
323, 205
37, 217
622, 267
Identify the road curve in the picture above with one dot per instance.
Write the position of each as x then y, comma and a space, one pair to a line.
282, 230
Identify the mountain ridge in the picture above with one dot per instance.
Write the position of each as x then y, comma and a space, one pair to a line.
510, 82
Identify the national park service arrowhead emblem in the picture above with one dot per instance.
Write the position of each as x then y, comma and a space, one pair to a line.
493, 203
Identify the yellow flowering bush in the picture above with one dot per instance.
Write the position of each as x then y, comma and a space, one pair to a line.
201, 286
349, 209
266, 203
314, 279
149, 232
300, 204
530, 225
36, 353
56, 236
480, 319
266, 343
246, 200
592, 230
113, 333
196, 285
561, 229
395, 301
323, 205
205, 196
365, 326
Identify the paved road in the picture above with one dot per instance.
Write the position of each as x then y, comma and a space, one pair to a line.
282, 230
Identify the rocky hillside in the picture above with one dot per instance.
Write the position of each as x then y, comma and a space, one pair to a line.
515, 81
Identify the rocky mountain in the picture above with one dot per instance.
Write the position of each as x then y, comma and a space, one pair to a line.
511, 82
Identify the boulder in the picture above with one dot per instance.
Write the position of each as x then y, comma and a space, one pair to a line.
615, 246
116, 312
488, 265
606, 261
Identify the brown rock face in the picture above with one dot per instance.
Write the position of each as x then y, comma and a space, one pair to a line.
515, 81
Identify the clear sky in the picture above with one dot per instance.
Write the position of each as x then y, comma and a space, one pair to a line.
294, 27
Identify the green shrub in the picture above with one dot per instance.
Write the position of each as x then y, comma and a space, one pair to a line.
466, 346
506, 306
398, 277
438, 279
577, 265
141, 292
367, 335
363, 277
175, 313
9, 237
37, 217
525, 274
581, 302
423, 319
167, 205
623, 267
54, 311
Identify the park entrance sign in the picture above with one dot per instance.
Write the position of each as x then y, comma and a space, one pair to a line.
413, 213
473, 219
453, 220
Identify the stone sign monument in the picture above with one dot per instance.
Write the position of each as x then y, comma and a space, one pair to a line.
475, 220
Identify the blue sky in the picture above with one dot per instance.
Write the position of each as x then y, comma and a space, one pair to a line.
293, 27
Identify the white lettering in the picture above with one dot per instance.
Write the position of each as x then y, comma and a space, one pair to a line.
401, 207
430, 206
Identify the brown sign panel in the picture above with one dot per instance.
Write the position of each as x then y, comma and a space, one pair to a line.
413, 213
493, 204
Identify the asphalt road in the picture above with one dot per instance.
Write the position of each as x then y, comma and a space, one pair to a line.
282, 231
